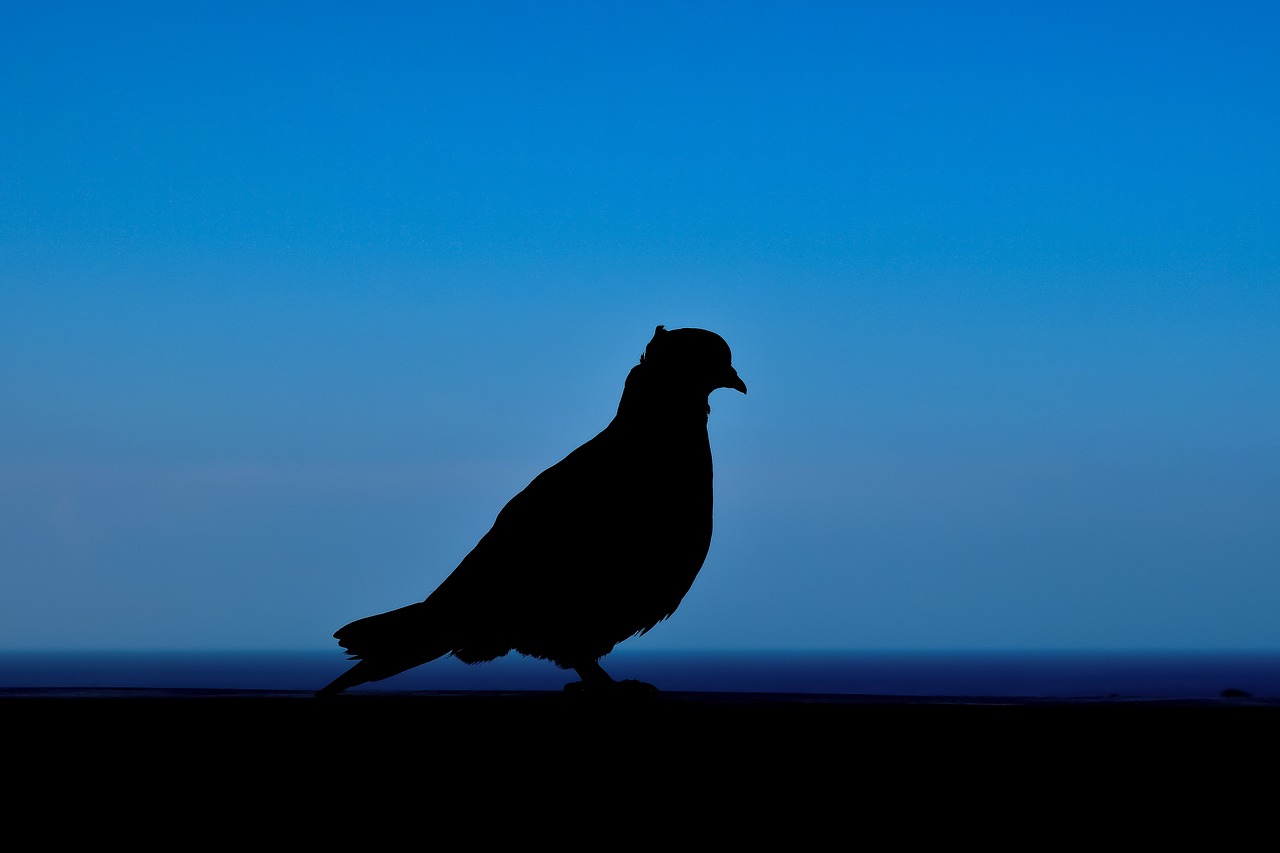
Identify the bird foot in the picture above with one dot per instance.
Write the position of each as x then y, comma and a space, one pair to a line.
626, 688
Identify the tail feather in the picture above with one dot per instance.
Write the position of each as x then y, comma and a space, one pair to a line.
350, 678
385, 645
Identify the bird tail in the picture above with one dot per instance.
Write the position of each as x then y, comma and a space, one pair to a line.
385, 645
353, 676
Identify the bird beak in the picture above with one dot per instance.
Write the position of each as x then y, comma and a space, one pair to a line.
734, 381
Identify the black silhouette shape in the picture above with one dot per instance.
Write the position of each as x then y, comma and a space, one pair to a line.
600, 547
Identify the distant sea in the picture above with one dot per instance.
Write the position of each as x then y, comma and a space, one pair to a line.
1006, 674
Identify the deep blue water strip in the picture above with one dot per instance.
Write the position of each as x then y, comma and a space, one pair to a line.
1031, 674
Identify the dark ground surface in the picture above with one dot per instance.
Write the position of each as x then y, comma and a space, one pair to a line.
737, 768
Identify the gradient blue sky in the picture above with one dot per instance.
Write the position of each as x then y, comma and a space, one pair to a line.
294, 297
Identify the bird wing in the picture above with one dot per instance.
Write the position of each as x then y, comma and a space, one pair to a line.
600, 546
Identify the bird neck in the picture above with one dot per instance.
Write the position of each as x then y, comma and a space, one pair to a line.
653, 396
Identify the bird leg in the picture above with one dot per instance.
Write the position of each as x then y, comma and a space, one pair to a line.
595, 681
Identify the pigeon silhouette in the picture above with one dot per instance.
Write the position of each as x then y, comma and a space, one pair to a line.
598, 548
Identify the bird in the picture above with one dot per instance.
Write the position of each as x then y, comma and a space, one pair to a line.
597, 549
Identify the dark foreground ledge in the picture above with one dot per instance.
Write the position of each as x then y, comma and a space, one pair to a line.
728, 762
525, 722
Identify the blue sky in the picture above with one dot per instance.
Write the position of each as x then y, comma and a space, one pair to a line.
294, 297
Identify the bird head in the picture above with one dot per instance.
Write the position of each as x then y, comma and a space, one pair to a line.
695, 358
